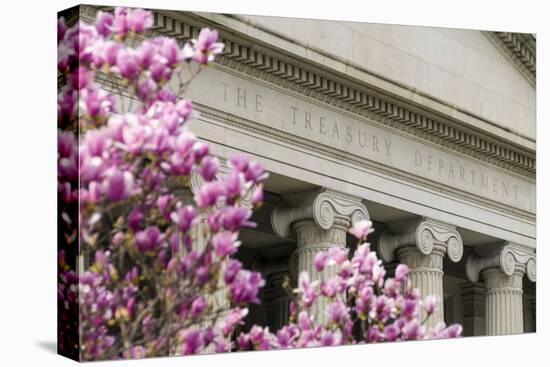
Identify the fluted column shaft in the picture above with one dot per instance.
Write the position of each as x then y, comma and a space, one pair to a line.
503, 302
421, 245
311, 239
276, 300
320, 219
426, 275
502, 267
473, 301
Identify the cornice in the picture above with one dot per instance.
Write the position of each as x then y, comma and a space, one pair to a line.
272, 68
520, 50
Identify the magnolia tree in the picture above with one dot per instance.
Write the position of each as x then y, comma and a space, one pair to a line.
146, 288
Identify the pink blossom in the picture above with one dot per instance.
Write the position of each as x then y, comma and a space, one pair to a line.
139, 20
61, 29
192, 342
257, 196
234, 185
409, 308
209, 194
148, 239
260, 338
235, 317
320, 260
330, 338
245, 287
430, 304
96, 103
412, 330
208, 168
230, 218
118, 185
391, 332
120, 26
203, 49
127, 63
454, 331
401, 272
184, 217
361, 229
337, 311
306, 290
198, 306
146, 53
80, 78
231, 270
103, 23
337, 255
184, 108
225, 243
170, 52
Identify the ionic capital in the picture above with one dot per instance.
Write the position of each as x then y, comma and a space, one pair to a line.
508, 257
323, 206
427, 235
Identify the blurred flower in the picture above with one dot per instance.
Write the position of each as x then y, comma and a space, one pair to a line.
361, 229
148, 239
205, 48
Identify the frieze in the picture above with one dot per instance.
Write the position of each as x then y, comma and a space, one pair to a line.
305, 119
266, 67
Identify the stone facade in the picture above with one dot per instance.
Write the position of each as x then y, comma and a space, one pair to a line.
428, 132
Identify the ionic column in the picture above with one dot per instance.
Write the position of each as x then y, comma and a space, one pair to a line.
528, 314
421, 245
320, 219
473, 300
534, 312
502, 268
276, 298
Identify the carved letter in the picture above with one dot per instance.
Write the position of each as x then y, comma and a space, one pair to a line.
388, 146
307, 119
225, 85
259, 106
241, 97
335, 131
375, 144
364, 137
484, 182
322, 125
505, 188
451, 171
462, 174
349, 138
294, 110
417, 158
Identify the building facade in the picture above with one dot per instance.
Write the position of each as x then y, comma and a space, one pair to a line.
428, 132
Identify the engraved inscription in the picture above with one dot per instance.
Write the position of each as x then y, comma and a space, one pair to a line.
326, 126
